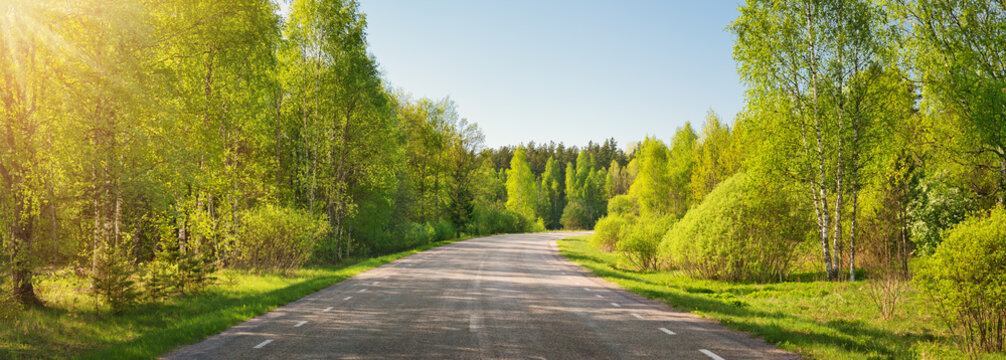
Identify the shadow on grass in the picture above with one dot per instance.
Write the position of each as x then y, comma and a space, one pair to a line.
153, 329
793, 331
192, 318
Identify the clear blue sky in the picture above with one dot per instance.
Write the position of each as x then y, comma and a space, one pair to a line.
568, 71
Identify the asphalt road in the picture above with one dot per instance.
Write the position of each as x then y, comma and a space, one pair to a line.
498, 297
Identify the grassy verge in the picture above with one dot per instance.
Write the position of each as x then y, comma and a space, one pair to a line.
817, 319
70, 327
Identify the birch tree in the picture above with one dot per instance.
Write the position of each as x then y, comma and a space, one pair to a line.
807, 65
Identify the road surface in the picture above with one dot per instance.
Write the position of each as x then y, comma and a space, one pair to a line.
498, 297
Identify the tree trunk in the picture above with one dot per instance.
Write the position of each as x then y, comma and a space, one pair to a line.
24, 290
96, 241
279, 152
821, 203
852, 225
182, 233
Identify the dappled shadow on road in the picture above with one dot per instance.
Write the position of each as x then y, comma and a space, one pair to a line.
500, 297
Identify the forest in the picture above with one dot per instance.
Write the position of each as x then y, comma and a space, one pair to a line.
145, 146
148, 144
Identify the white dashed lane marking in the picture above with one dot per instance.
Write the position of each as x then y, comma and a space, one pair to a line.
264, 343
599, 296
636, 316
363, 290
616, 305
300, 324
668, 332
327, 309
347, 298
710, 354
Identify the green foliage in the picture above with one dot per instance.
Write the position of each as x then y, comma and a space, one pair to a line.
962, 84
816, 319
965, 277
934, 209
681, 164
745, 230
576, 216
113, 280
489, 186
639, 244
173, 273
623, 205
496, 220
652, 184
71, 330
551, 200
712, 158
610, 229
277, 238
817, 87
416, 235
522, 194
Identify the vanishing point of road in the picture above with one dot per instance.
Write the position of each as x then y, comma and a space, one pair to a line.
497, 297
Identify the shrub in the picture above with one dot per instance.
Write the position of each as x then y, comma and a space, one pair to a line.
113, 279
639, 246
744, 230
277, 238
444, 230
497, 220
966, 278
936, 208
576, 216
623, 205
609, 230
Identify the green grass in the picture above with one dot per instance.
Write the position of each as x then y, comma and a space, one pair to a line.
71, 327
817, 319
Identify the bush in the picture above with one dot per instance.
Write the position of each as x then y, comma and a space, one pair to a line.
444, 230
276, 238
966, 277
936, 208
497, 220
639, 246
609, 230
113, 279
744, 230
623, 205
576, 216
173, 273
415, 234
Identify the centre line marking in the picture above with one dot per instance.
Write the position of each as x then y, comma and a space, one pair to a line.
300, 324
362, 290
347, 298
615, 305
264, 343
599, 295
588, 289
668, 332
636, 316
327, 309
710, 354
474, 323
